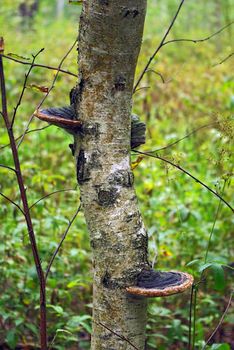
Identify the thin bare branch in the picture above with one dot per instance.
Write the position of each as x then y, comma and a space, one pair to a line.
118, 335
28, 132
51, 87
224, 60
159, 46
198, 40
61, 242
7, 167
40, 66
163, 43
157, 73
220, 321
50, 194
183, 138
142, 88
12, 202
24, 199
34, 130
187, 173
24, 86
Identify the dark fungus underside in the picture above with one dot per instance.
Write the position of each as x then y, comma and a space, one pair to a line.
160, 280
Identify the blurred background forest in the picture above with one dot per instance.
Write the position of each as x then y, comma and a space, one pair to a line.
193, 93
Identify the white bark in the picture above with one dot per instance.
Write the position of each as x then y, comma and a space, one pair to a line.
109, 43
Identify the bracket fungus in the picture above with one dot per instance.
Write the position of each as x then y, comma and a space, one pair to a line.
67, 119
63, 117
152, 283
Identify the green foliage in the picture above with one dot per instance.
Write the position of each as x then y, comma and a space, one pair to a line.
177, 211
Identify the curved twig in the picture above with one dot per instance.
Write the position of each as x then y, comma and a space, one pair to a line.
28, 132
142, 88
157, 73
187, 173
223, 60
159, 46
118, 335
198, 40
183, 138
220, 321
50, 194
7, 167
51, 87
40, 66
24, 86
12, 202
163, 43
61, 242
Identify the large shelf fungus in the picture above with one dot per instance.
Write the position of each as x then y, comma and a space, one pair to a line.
152, 283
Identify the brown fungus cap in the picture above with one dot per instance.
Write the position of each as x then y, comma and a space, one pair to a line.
152, 283
61, 117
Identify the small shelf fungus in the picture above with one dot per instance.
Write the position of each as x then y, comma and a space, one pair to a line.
63, 117
137, 131
152, 283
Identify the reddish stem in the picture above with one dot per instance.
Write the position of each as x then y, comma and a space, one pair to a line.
40, 273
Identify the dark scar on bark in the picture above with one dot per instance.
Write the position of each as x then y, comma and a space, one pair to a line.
107, 282
135, 13
95, 160
107, 197
72, 148
120, 83
130, 217
132, 13
91, 129
123, 178
77, 91
104, 2
140, 242
83, 174
127, 12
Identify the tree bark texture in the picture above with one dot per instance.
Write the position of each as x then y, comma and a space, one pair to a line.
110, 37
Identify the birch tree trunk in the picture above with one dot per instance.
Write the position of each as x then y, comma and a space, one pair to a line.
110, 37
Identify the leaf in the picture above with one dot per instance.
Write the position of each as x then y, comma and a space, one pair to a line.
159, 310
219, 278
19, 321
56, 308
40, 88
193, 262
137, 162
12, 338
218, 274
80, 321
32, 328
223, 346
184, 213
63, 331
79, 282
86, 326
205, 267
